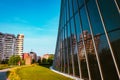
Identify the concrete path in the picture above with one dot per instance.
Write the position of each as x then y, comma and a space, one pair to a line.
3, 74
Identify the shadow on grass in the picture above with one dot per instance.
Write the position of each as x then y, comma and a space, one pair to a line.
7, 73
46, 65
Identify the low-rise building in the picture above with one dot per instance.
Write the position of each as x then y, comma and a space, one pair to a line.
27, 58
46, 56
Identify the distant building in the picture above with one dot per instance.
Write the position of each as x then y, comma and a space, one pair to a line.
7, 45
38, 58
46, 56
25, 55
19, 44
27, 58
1, 45
10, 45
33, 56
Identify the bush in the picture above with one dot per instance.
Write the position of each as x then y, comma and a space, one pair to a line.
14, 60
22, 62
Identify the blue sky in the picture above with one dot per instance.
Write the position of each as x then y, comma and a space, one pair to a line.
37, 19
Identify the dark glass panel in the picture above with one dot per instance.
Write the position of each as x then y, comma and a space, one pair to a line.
62, 51
70, 8
67, 10
64, 54
58, 56
118, 2
69, 51
112, 22
74, 48
105, 57
81, 50
58, 61
81, 3
78, 30
65, 14
65, 50
90, 51
79, 43
75, 6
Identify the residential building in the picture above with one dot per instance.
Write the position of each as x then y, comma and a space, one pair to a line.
19, 44
88, 39
33, 56
1, 45
46, 56
7, 45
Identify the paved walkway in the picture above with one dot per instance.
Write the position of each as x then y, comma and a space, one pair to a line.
3, 74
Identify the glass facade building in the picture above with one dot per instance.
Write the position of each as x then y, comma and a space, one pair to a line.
88, 42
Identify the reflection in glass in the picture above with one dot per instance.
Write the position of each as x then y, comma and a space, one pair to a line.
89, 47
112, 22
106, 62
74, 48
82, 35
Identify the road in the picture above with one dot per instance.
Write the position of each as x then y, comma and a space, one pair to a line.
3, 74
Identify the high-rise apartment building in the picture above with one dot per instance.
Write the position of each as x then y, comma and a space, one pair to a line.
88, 43
1, 45
19, 44
7, 46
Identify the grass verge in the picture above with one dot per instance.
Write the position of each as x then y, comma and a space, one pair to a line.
4, 66
34, 72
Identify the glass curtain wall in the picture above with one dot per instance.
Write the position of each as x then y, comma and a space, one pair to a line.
88, 39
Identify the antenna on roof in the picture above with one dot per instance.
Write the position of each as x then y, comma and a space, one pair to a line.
31, 50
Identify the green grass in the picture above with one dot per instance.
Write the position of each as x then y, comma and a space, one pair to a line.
4, 66
34, 72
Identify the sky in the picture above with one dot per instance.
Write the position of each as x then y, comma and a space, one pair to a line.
37, 19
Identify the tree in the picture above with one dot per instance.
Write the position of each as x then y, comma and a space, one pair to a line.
14, 60
50, 59
39, 61
33, 61
51, 56
44, 61
22, 62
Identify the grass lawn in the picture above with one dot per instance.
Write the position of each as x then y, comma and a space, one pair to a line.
4, 66
34, 72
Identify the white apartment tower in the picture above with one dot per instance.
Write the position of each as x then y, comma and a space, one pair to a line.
19, 44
